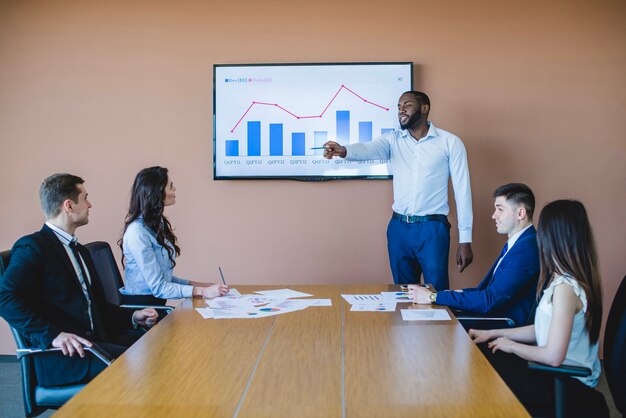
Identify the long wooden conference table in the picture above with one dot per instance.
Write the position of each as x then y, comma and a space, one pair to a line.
317, 362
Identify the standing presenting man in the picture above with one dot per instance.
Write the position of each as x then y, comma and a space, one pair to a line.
51, 295
422, 157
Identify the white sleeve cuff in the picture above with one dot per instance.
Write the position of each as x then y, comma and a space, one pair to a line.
465, 236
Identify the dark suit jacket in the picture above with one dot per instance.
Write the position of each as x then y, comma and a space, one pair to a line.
40, 294
510, 292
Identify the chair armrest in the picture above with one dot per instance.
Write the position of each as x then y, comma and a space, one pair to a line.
508, 321
165, 308
562, 370
94, 350
485, 323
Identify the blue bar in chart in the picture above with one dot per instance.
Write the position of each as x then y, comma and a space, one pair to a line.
254, 138
276, 139
297, 143
365, 131
319, 139
232, 148
343, 127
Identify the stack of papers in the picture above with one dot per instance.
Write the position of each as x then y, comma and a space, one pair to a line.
425, 315
383, 302
386, 302
265, 303
374, 307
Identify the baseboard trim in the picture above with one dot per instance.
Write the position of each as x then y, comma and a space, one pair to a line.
5, 358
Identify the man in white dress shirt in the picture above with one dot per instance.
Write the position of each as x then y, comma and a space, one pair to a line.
422, 158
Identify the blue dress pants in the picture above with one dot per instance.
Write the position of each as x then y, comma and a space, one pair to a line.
419, 248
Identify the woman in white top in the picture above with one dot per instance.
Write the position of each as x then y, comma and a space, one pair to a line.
568, 317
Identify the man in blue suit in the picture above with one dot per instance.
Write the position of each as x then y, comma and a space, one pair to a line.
509, 288
51, 294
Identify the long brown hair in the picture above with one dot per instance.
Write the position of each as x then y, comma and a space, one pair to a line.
147, 199
567, 247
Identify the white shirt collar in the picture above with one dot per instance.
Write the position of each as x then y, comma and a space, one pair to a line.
515, 237
63, 236
432, 133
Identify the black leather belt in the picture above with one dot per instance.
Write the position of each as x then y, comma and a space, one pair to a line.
413, 219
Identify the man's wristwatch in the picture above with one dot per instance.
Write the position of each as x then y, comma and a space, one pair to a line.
433, 297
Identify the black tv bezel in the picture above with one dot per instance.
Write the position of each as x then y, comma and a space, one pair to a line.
315, 178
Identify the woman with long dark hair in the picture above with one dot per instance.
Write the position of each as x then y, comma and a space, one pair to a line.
568, 317
149, 245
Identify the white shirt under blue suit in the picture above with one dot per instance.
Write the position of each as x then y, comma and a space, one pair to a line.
417, 241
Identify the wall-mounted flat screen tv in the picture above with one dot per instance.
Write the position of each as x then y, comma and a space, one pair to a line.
270, 118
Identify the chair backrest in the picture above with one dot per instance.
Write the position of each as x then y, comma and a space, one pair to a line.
4, 260
107, 269
615, 348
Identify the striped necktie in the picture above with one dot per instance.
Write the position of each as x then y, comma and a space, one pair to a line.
82, 278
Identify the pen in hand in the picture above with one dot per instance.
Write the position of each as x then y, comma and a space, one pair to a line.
222, 275
318, 148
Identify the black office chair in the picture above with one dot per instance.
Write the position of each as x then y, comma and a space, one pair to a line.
4, 260
111, 280
614, 362
615, 348
38, 399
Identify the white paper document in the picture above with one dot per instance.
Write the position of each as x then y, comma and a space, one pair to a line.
283, 293
206, 313
288, 304
221, 303
233, 292
374, 307
362, 299
257, 300
398, 297
258, 306
297, 304
319, 302
425, 315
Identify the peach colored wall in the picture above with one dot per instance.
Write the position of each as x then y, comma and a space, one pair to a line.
535, 89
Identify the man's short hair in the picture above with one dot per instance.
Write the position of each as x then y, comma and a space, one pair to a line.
55, 190
520, 194
421, 98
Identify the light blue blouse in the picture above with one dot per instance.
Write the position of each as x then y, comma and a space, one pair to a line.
148, 269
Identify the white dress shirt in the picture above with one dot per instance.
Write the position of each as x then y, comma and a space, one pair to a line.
66, 239
420, 171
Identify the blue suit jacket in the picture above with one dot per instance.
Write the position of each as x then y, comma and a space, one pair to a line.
510, 292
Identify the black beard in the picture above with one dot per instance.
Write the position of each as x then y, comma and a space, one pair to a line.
412, 122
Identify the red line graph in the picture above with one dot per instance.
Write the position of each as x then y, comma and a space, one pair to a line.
343, 87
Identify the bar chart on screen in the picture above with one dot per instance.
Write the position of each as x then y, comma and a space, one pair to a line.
271, 121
